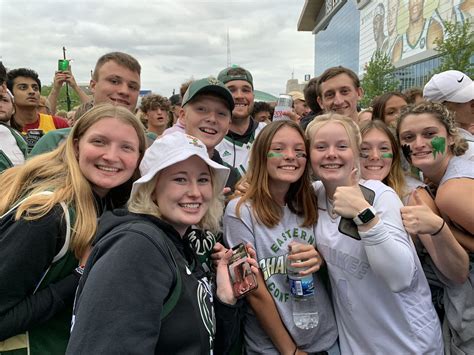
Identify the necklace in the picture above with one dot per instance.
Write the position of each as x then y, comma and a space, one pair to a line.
330, 208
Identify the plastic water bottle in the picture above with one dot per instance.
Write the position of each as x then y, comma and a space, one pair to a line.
284, 103
302, 295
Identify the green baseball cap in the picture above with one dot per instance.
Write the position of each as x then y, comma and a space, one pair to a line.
229, 74
208, 85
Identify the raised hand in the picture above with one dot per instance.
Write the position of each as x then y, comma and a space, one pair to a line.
349, 200
419, 218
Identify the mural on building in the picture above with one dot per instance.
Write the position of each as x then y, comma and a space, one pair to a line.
405, 28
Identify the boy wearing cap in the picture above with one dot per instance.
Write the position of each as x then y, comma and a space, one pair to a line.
455, 90
235, 147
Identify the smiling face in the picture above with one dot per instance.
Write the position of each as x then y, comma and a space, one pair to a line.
427, 139
332, 157
183, 193
208, 118
243, 95
376, 155
339, 94
108, 154
392, 109
26, 92
116, 84
286, 159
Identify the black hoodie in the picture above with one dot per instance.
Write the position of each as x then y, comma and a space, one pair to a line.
129, 276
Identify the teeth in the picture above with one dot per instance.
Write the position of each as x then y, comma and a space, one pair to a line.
332, 166
107, 168
373, 167
208, 130
190, 205
288, 167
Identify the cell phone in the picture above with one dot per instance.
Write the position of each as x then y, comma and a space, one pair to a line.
63, 64
346, 225
241, 276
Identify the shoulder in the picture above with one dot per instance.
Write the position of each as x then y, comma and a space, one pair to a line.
384, 195
60, 122
231, 208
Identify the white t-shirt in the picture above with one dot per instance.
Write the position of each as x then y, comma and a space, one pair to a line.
10, 147
371, 318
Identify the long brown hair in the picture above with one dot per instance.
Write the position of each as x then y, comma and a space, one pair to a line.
300, 197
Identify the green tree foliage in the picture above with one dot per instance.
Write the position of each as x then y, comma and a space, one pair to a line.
378, 77
62, 103
456, 47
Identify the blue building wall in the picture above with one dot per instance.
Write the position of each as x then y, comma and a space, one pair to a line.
339, 43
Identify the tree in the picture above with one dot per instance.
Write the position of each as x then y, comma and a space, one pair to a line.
378, 77
62, 105
456, 47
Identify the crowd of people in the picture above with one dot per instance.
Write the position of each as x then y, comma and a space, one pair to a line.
117, 221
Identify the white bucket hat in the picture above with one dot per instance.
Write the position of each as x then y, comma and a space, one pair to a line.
450, 85
174, 148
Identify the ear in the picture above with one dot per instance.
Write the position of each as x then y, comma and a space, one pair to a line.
182, 116
92, 84
320, 102
360, 92
450, 140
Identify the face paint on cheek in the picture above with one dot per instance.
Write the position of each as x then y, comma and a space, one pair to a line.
406, 149
275, 155
439, 145
387, 155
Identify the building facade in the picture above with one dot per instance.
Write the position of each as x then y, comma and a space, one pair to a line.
403, 29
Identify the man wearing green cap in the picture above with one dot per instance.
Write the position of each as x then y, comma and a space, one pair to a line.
235, 147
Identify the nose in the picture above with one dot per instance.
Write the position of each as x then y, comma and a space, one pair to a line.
419, 141
193, 189
374, 154
290, 154
111, 153
338, 98
123, 89
331, 151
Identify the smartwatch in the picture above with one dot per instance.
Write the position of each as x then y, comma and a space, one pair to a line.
365, 216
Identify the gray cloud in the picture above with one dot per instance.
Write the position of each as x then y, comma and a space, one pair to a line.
173, 40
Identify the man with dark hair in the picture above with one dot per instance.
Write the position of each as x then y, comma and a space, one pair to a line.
3, 79
25, 86
155, 108
235, 148
116, 80
262, 112
339, 90
310, 95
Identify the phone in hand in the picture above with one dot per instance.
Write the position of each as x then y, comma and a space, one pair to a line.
346, 225
241, 276
63, 65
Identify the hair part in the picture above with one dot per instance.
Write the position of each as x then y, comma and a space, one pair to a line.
59, 171
122, 59
299, 198
333, 72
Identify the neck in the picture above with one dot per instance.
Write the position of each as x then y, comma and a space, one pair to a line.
415, 29
157, 130
436, 174
278, 192
240, 126
25, 115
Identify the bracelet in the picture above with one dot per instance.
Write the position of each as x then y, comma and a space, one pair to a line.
439, 230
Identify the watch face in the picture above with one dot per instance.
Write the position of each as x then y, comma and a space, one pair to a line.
366, 215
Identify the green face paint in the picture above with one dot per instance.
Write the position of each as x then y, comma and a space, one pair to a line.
439, 145
274, 155
387, 155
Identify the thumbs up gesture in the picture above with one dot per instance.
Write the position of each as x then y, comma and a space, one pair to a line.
349, 200
418, 218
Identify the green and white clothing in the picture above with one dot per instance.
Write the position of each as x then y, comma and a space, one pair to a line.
271, 245
235, 148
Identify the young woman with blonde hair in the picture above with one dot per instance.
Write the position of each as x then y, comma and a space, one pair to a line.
375, 280
49, 209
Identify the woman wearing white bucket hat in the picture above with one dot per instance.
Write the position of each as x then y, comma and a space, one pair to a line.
142, 290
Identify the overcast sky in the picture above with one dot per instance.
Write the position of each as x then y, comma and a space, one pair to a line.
173, 40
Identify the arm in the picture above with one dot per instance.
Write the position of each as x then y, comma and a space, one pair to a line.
260, 300
385, 241
27, 248
58, 81
114, 310
421, 217
454, 200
